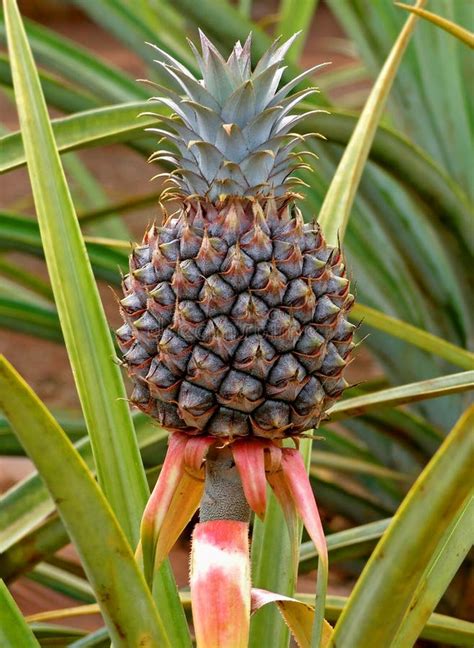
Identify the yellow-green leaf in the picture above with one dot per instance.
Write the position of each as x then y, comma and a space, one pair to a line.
410, 393
414, 335
337, 205
85, 330
298, 616
14, 631
459, 32
386, 587
119, 586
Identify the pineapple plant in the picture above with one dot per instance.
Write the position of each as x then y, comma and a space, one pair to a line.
193, 471
235, 329
235, 310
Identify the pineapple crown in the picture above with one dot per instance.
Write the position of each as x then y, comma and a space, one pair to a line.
233, 128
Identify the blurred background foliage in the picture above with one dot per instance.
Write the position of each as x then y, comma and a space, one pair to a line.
409, 241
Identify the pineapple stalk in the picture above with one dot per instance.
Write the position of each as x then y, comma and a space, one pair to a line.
220, 560
224, 497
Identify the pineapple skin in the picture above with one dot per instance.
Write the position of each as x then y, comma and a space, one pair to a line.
235, 310
235, 320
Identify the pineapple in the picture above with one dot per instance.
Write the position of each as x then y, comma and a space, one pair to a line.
235, 310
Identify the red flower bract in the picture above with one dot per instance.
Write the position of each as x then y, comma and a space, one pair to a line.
220, 569
257, 461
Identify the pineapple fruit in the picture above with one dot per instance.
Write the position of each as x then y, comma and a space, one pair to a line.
235, 310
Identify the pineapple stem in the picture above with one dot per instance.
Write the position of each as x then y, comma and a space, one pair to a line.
223, 497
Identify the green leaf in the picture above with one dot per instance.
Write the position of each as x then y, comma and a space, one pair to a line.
64, 613
14, 631
58, 93
245, 7
295, 16
27, 538
424, 117
24, 316
98, 639
271, 545
62, 581
23, 277
92, 127
414, 335
79, 66
136, 26
72, 424
350, 543
125, 601
404, 426
28, 503
356, 504
52, 634
337, 205
410, 393
45, 539
440, 628
20, 233
459, 32
455, 545
390, 578
333, 461
83, 322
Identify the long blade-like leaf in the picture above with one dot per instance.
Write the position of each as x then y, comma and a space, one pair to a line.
58, 93
403, 159
22, 315
350, 543
28, 280
79, 66
337, 205
271, 544
14, 631
441, 628
295, 16
20, 233
97, 126
55, 634
439, 574
422, 339
47, 538
120, 588
62, 581
424, 116
97, 639
90, 348
410, 393
27, 503
390, 578
85, 329
464, 35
